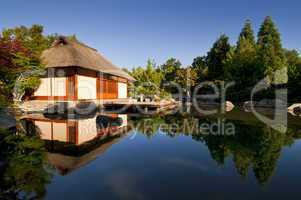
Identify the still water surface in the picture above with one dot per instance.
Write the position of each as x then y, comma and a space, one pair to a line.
124, 156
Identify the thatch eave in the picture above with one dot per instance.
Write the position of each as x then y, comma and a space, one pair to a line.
65, 53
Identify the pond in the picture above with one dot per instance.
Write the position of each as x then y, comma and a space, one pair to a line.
130, 156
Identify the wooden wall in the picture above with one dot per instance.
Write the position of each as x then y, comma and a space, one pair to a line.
106, 85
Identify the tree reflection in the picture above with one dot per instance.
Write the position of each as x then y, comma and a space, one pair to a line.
254, 146
25, 171
251, 146
148, 126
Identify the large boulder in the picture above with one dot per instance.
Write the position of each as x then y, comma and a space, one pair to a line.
295, 109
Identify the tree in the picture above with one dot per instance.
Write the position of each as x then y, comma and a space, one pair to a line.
242, 68
186, 78
294, 66
2, 97
169, 69
247, 33
217, 58
199, 65
32, 38
270, 53
294, 74
148, 79
293, 57
20, 51
10, 49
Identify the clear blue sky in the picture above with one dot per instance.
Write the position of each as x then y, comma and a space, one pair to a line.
128, 32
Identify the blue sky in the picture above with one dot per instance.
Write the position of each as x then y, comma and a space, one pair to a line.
128, 32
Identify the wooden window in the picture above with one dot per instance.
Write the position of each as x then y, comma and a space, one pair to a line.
107, 89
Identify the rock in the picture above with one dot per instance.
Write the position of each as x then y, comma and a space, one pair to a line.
297, 110
229, 106
295, 105
247, 106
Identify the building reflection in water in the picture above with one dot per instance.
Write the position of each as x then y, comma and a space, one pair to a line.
72, 143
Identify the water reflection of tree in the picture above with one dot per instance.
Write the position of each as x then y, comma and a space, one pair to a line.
259, 147
253, 146
147, 126
256, 146
24, 168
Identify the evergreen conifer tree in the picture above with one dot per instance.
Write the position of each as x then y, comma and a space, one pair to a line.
217, 58
271, 57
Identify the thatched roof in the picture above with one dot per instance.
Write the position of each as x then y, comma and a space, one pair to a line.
66, 164
71, 53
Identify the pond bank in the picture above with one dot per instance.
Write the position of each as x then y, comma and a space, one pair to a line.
126, 105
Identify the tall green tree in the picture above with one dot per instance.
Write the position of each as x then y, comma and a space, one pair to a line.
294, 74
294, 66
148, 80
199, 65
246, 33
169, 69
186, 78
270, 52
243, 69
217, 58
